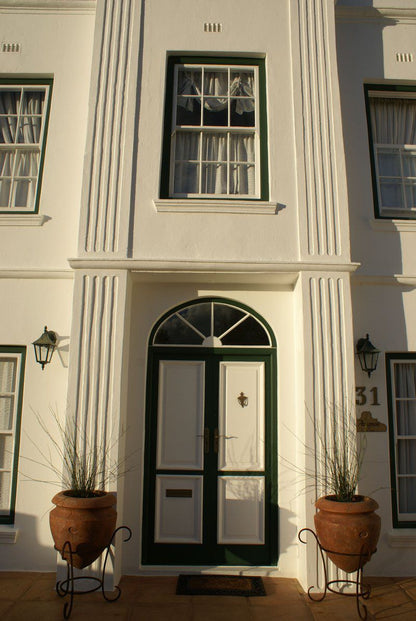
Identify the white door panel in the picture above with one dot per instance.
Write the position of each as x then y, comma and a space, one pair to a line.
241, 416
180, 423
178, 516
241, 510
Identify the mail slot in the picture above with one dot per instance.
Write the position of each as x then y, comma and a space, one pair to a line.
178, 493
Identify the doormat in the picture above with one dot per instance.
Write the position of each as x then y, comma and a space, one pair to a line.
246, 586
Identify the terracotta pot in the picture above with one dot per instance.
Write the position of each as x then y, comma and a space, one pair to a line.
348, 528
87, 523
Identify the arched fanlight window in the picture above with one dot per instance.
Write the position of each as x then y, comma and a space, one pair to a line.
212, 324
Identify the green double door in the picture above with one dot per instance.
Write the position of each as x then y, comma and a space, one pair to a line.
210, 496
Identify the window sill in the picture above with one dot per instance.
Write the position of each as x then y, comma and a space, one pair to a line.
32, 219
401, 226
173, 205
8, 534
402, 538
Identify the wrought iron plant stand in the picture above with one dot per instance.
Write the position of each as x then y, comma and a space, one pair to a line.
361, 590
67, 586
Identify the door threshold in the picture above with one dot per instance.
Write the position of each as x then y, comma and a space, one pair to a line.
235, 570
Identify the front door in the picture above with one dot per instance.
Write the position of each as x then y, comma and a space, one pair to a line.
209, 476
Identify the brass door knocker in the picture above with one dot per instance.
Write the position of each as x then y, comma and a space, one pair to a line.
242, 400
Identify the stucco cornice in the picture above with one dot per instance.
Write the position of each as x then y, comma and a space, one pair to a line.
47, 6
371, 14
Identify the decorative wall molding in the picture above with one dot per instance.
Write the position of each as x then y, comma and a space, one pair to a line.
32, 219
402, 538
179, 266
374, 14
393, 226
8, 534
216, 206
101, 212
47, 6
317, 55
33, 274
407, 280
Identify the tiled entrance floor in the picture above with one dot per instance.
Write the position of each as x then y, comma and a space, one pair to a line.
31, 597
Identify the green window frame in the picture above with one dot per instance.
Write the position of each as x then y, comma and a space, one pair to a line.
12, 368
401, 390
215, 129
391, 113
24, 116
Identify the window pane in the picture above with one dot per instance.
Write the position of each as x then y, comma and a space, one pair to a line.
406, 454
242, 148
199, 316
407, 495
188, 111
29, 130
9, 107
406, 418
389, 164
189, 82
175, 331
214, 147
391, 194
225, 317
409, 163
6, 413
5, 187
6, 451
33, 102
242, 179
4, 492
186, 178
214, 179
8, 368
6, 163
216, 83
23, 193
405, 379
410, 189
248, 332
27, 164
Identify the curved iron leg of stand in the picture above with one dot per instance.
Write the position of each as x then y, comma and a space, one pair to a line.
316, 599
118, 590
362, 591
67, 586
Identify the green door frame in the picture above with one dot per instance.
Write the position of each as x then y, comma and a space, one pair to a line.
214, 554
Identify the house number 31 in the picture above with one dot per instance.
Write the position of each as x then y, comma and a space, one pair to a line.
361, 396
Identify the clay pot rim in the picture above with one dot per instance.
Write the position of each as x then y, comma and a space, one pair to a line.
102, 499
360, 504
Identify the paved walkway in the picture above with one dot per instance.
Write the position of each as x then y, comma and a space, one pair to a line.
31, 597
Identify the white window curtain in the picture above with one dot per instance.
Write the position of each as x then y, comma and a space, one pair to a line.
215, 162
405, 385
20, 124
393, 121
7, 396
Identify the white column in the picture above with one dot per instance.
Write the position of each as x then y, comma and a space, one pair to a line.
106, 199
323, 208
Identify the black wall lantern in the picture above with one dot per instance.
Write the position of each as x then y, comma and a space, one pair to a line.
44, 347
367, 355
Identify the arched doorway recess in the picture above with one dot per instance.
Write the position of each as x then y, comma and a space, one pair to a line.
210, 455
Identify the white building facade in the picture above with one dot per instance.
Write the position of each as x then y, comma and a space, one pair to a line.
210, 203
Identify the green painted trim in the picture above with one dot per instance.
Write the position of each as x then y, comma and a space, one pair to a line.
381, 87
177, 554
217, 300
20, 350
33, 82
222, 60
389, 380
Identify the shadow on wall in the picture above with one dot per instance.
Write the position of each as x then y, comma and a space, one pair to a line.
28, 553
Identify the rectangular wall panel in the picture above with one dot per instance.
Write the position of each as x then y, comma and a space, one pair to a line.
178, 517
241, 510
180, 424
